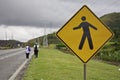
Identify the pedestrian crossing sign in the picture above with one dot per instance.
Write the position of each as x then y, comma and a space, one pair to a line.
85, 34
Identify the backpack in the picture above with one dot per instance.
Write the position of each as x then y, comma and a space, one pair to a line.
35, 48
29, 49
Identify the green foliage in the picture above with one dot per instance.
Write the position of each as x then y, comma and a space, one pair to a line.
113, 56
113, 21
60, 46
110, 51
52, 39
6, 44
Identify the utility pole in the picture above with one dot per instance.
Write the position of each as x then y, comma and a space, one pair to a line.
45, 40
6, 34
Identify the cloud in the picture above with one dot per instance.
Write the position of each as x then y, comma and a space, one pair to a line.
30, 13
49, 12
23, 34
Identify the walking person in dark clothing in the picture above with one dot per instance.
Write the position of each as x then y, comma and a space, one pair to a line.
36, 50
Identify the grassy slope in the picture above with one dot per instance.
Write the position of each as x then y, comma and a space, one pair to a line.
55, 65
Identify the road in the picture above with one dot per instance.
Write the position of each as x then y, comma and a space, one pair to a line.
10, 61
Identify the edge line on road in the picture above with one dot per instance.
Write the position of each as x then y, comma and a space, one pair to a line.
19, 69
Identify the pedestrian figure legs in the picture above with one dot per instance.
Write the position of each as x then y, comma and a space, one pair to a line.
90, 41
36, 53
83, 41
27, 55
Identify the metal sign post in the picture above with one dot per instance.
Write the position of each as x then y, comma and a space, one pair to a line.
84, 71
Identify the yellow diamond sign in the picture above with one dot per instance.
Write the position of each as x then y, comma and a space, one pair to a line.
84, 34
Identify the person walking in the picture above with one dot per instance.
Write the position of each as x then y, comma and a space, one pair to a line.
36, 47
27, 52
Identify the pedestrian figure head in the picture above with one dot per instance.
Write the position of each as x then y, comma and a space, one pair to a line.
83, 18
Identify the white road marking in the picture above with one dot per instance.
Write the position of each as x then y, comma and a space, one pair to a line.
20, 68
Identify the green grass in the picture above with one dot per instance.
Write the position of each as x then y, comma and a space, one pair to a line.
55, 65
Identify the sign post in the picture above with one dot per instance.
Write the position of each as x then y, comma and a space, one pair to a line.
84, 34
84, 71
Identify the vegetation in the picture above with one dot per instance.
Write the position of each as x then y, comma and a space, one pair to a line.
6, 44
111, 52
113, 21
52, 39
53, 64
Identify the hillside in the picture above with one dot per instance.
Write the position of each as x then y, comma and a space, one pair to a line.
111, 51
52, 39
112, 20
10, 44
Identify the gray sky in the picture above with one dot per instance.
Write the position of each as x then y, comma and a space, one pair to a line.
51, 13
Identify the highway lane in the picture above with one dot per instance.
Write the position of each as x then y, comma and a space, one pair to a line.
3, 52
10, 60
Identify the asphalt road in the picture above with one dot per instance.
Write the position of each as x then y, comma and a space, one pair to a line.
10, 61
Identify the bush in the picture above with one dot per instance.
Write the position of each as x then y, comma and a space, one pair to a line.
60, 46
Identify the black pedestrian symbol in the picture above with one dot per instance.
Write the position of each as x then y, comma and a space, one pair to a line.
86, 32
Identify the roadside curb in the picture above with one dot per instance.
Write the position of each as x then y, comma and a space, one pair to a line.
20, 68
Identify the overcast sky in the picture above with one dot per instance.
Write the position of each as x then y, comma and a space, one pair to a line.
25, 19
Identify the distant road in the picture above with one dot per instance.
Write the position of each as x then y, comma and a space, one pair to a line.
10, 60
